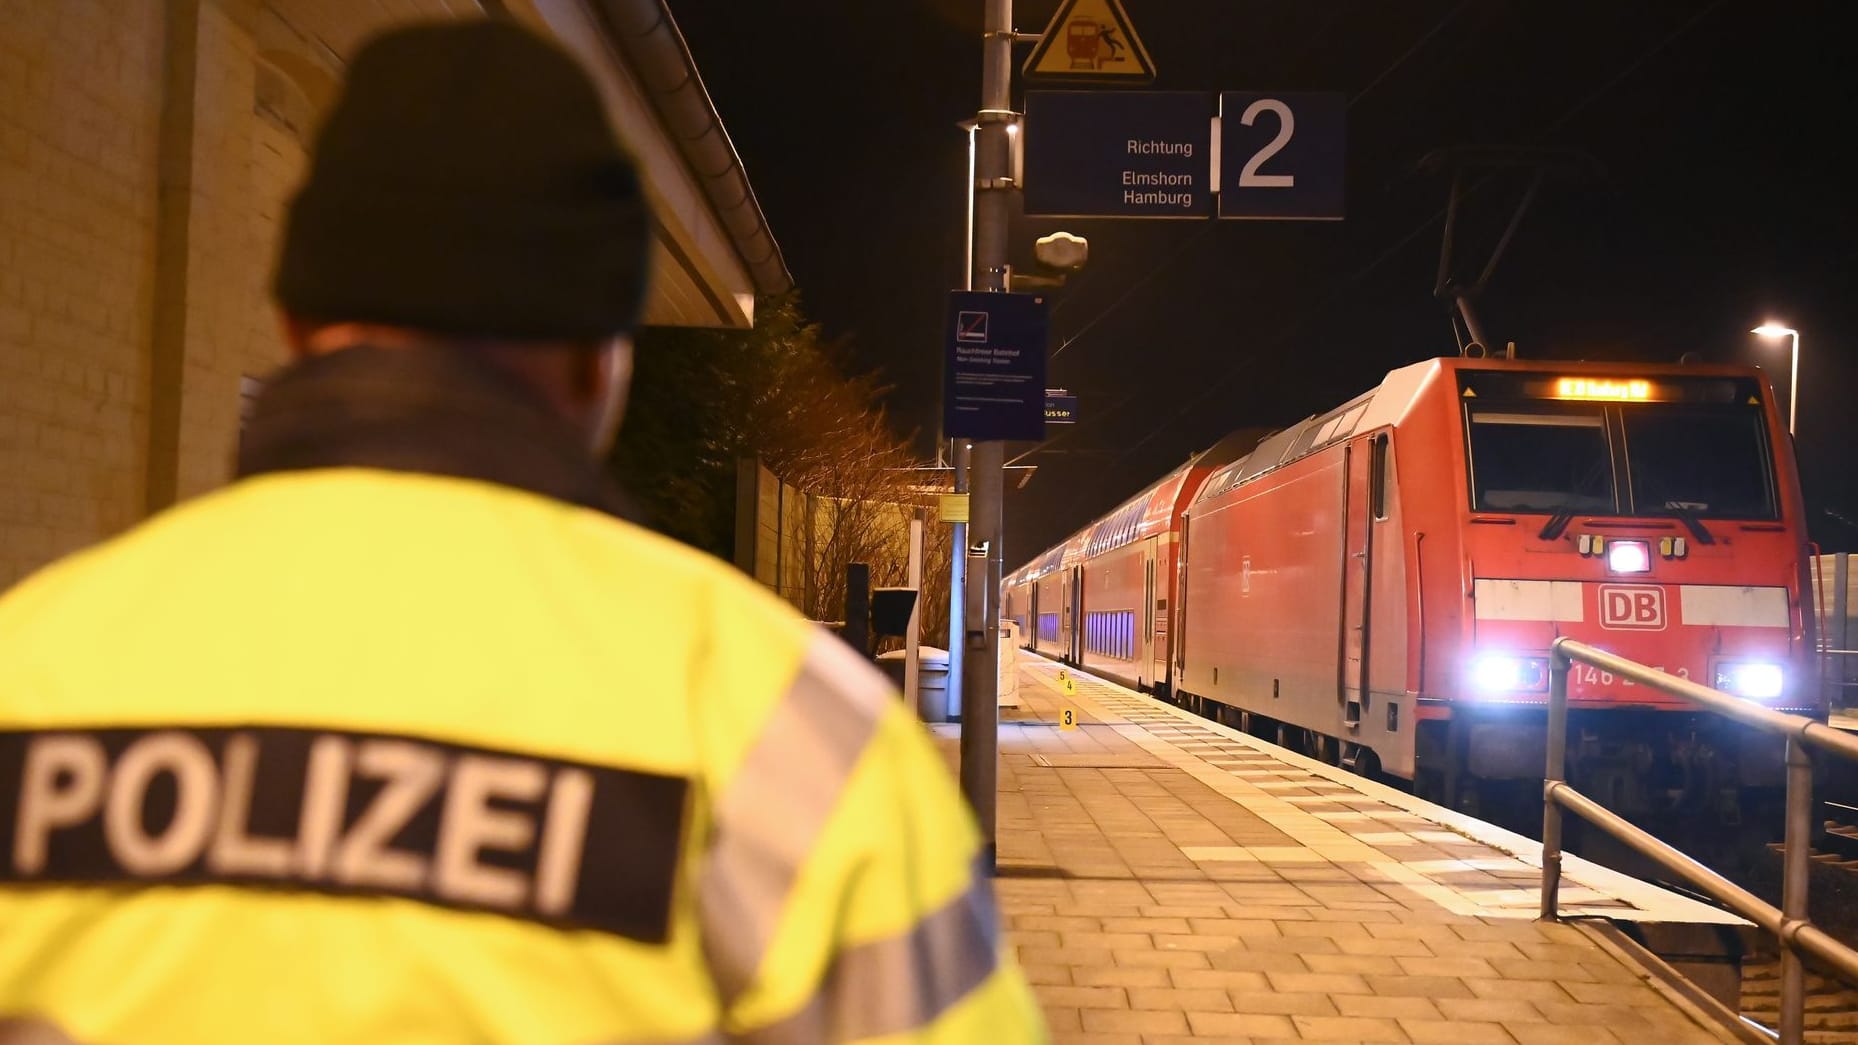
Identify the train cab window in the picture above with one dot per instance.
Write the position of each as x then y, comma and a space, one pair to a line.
1712, 462
1541, 460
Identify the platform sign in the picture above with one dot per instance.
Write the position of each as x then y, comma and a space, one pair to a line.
994, 366
1060, 407
1119, 154
1090, 40
1282, 154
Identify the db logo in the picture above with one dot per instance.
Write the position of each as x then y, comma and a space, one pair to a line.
1632, 607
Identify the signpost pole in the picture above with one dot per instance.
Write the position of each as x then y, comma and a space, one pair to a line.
957, 584
980, 708
912, 642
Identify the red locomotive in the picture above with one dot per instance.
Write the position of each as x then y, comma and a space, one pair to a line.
1379, 584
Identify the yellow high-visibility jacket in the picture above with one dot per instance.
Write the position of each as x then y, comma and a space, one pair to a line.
354, 754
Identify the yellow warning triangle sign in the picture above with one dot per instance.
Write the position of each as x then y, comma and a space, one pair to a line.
1090, 40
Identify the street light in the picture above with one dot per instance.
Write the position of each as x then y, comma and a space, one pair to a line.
1772, 330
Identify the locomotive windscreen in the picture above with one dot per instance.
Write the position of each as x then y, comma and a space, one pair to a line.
1541, 460
1712, 461
1696, 446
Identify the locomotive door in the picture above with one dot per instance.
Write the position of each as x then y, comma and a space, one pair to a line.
1359, 481
1176, 648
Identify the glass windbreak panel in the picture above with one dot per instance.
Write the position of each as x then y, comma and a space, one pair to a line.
1541, 461
1713, 463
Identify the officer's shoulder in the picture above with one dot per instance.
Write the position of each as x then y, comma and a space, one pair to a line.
57, 581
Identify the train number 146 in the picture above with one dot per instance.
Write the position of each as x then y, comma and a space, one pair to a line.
1588, 675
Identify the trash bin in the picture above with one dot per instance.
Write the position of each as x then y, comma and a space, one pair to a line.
1008, 691
931, 679
932, 683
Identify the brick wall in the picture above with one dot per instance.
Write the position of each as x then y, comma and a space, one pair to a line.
79, 111
91, 251
147, 149
246, 165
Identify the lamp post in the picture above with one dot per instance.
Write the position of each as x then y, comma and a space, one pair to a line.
1773, 330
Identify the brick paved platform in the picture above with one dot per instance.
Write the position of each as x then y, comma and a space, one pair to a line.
1165, 879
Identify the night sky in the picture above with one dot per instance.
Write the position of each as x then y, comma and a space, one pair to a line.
1726, 198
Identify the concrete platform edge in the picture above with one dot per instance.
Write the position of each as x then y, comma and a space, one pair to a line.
1668, 905
1703, 1007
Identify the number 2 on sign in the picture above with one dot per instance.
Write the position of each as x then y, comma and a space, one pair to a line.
1249, 178
1067, 719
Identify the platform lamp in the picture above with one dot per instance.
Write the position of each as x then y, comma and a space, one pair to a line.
1774, 330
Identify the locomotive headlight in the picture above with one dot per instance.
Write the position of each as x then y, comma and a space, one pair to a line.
1751, 679
1628, 556
1503, 673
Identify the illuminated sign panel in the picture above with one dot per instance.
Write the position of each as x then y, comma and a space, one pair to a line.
1610, 388
1633, 390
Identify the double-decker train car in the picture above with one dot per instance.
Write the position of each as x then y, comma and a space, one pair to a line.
1380, 583
1125, 581
1050, 585
1016, 601
1128, 578
1119, 578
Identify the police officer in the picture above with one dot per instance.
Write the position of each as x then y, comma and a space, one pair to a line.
406, 735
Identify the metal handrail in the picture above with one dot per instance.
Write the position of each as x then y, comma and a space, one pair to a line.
1788, 923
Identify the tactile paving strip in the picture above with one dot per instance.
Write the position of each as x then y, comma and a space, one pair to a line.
1381, 837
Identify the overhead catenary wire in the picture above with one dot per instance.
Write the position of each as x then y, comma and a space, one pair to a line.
1422, 228
1204, 233
1174, 417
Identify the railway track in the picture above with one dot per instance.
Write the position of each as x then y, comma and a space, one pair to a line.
1839, 845
1831, 1006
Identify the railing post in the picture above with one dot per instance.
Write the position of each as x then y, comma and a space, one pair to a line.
1795, 868
1552, 775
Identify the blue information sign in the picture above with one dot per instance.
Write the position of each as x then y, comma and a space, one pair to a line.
993, 375
1060, 407
1119, 154
1281, 154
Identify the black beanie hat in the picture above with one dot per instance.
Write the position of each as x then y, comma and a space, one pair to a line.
468, 183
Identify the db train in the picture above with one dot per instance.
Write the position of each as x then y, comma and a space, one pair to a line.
1379, 584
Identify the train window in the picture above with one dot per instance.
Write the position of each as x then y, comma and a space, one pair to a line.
1712, 462
1306, 437
1350, 419
1270, 454
1541, 461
